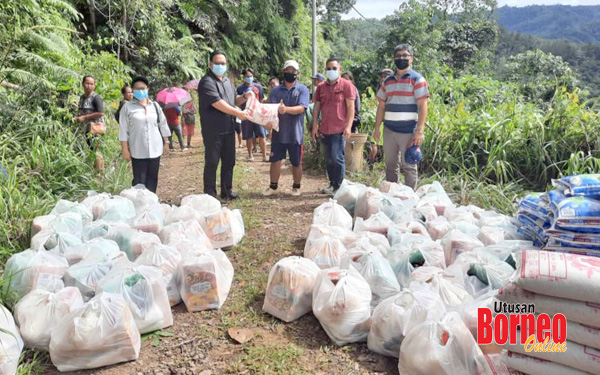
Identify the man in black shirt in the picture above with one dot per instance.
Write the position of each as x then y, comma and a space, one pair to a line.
217, 101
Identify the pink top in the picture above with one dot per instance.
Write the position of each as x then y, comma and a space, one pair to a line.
334, 114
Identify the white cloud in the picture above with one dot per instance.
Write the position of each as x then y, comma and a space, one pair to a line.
382, 8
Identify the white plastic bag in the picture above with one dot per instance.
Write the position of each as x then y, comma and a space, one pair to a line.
167, 259
403, 192
183, 213
372, 201
204, 204
318, 231
141, 197
414, 227
99, 228
377, 272
131, 241
34, 269
262, 113
348, 193
11, 343
100, 333
439, 348
50, 239
325, 251
149, 220
468, 310
446, 285
396, 316
224, 228
484, 266
371, 241
205, 280
456, 242
493, 235
439, 200
109, 208
39, 311
184, 230
99, 249
144, 290
341, 303
378, 223
68, 222
405, 258
86, 274
64, 206
290, 288
333, 214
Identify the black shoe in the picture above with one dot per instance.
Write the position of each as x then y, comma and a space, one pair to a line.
229, 195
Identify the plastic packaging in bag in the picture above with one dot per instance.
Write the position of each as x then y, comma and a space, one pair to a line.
65, 206
149, 220
131, 241
86, 274
99, 249
403, 192
406, 257
183, 213
205, 280
413, 227
290, 288
50, 239
100, 333
141, 197
144, 290
371, 241
445, 284
394, 317
68, 222
372, 201
184, 230
456, 242
325, 251
341, 303
99, 228
439, 348
10, 342
262, 113
438, 227
224, 228
434, 187
109, 208
378, 223
318, 231
348, 193
397, 235
40, 310
493, 235
485, 266
204, 204
166, 258
460, 214
492, 364
377, 272
439, 200
34, 269
333, 214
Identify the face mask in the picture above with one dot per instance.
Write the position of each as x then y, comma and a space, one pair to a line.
140, 94
401, 63
248, 79
332, 75
219, 69
290, 77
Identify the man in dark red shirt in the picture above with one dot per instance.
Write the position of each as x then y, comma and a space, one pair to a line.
334, 100
172, 116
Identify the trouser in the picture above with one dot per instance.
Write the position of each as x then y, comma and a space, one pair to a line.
218, 147
394, 149
145, 172
177, 130
335, 161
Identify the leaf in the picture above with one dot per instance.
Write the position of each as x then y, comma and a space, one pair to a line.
240, 335
165, 333
155, 341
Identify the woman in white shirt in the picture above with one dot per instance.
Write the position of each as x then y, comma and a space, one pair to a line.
143, 133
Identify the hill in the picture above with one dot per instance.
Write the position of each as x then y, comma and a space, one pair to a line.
574, 23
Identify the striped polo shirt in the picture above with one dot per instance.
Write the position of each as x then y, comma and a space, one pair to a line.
400, 97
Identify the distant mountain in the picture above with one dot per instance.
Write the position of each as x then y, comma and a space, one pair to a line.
575, 23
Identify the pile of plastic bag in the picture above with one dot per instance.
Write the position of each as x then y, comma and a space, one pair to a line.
101, 272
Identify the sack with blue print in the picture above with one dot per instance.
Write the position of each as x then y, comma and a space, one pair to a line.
583, 185
578, 214
534, 202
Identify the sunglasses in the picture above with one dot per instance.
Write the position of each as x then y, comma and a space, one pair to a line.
332, 68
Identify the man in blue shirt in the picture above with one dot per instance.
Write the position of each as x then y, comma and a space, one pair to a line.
250, 130
293, 100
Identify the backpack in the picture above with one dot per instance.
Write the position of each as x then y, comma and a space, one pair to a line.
189, 118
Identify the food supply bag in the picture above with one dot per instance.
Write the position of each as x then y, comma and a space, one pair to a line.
99, 228
395, 316
10, 342
446, 285
184, 230
484, 266
405, 193
318, 231
397, 230
34, 269
40, 310
493, 235
333, 214
141, 197
50, 239
559, 275
149, 220
577, 214
205, 280
183, 213
290, 288
405, 258
204, 204
68, 222
131, 241
109, 208
341, 303
86, 274
166, 258
377, 272
535, 366
460, 214
439, 348
456, 242
377, 223
348, 193
100, 333
438, 200
65, 206
468, 310
434, 187
144, 290
438, 227
262, 113
99, 249
371, 241
372, 201
224, 228
325, 251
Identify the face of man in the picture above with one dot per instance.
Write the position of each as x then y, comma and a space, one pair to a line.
128, 94
248, 78
273, 83
290, 74
218, 60
403, 55
139, 85
333, 66
89, 85
316, 81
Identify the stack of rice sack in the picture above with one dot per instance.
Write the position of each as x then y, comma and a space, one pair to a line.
555, 283
101, 272
534, 215
408, 266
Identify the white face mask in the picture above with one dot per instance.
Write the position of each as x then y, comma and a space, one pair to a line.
332, 75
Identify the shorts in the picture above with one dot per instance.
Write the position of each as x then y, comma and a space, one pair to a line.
295, 151
188, 129
238, 127
252, 130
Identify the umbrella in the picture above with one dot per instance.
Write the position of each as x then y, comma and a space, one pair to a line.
192, 85
173, 97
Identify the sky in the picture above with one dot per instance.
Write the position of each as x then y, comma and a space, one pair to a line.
381, 8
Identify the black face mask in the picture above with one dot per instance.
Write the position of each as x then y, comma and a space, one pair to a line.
290, 77
401, 63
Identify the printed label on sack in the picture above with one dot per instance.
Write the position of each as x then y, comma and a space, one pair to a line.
200, 288
543, 263
567, 212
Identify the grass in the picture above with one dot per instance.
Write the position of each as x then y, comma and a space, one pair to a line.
268, 359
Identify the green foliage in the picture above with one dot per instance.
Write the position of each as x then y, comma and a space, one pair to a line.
156, 336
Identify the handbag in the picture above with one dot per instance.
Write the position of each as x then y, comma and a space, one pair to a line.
97, 128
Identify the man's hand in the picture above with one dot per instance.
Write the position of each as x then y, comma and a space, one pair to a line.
315, 132
347, 133
125, 154
281, 107
79, 118
417, 139
377, 134
248, 94
166, 149
242, 116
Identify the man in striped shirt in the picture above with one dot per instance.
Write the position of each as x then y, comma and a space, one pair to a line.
403, 110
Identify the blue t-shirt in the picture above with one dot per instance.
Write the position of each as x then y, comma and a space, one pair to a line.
255, 87
291, 127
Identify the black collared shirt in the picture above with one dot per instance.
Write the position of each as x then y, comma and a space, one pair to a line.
211, 90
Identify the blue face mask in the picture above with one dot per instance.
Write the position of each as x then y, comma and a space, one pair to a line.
219, 69
140, 94
332, 75
248, 79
